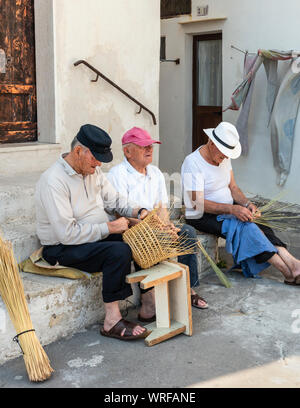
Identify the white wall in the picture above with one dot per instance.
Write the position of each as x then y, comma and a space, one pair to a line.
249, 26
121, 39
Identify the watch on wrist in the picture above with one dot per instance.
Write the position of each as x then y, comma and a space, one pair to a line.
140, 211
247, 204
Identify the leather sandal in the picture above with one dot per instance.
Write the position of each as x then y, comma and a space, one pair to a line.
195, 298
295, 282
117, 329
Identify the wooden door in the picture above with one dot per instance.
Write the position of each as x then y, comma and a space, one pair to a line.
207, 85
18, 117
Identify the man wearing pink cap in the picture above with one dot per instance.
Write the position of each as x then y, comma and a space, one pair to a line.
138, 180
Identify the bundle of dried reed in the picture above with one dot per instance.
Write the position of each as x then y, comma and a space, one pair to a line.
272, 215
12, 292
217, 270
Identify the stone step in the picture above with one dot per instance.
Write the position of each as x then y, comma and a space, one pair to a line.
58, 307
210, 243
17, 198
17, 213
25, 158
23, 238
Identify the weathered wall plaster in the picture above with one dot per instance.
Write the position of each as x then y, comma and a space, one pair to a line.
121, 39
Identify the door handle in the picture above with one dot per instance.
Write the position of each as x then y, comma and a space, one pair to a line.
3, 62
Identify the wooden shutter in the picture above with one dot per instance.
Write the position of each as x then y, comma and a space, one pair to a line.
18, 115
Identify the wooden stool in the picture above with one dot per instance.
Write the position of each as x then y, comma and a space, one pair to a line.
171, 281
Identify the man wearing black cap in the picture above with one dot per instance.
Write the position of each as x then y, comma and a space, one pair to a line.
73, 203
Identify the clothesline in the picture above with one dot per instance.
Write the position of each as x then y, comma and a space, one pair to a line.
295, 53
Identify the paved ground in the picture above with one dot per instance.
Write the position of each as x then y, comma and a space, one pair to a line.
249, 337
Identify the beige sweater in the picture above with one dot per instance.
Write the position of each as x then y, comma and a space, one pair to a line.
72, 209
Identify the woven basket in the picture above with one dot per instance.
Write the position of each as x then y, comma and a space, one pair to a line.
152, 241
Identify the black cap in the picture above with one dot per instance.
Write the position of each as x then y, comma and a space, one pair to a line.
97, 140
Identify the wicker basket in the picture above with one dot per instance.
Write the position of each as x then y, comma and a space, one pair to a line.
152, 240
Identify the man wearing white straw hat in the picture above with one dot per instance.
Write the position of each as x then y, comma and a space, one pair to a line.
215, 204
138, 180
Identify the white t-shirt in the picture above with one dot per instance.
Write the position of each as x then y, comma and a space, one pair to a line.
146, 190
199, 175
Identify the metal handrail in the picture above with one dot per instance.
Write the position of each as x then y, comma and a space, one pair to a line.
99, 74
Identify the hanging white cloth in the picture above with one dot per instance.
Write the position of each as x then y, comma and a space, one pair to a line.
283, 121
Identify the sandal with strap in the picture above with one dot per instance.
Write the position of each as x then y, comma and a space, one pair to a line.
195, 298
117, 329
295, 282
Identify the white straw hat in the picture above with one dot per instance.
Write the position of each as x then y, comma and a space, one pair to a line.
226, 138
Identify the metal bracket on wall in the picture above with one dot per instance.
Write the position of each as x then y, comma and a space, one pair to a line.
99, 74
238, 49
177, 60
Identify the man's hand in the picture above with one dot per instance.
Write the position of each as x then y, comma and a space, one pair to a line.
252, 207
173, 228
144, 214
242, 213
118, 226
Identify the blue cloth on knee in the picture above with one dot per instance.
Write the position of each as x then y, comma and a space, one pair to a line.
244, 240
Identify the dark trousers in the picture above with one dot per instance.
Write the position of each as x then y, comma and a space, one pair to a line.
209, 224
111, 256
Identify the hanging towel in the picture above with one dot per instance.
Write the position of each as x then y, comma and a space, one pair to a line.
240, 93
244, 240
242, 122
283, 121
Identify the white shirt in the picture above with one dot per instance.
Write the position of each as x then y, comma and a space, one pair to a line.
146, 190
72, 209
199, 175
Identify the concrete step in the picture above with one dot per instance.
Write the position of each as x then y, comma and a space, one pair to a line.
23, 238
17, 212
25, 158
17, 198
58, 308
210, 243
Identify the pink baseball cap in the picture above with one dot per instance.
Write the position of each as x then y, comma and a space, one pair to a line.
139, 137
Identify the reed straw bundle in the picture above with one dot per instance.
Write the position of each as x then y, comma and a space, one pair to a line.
217, 270
12, 292
272, 215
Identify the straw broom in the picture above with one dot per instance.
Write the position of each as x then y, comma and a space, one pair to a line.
12, 292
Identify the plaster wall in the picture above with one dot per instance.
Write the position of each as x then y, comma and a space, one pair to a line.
120, 39
249, 26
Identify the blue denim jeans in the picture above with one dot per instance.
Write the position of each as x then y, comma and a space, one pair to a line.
190, 260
